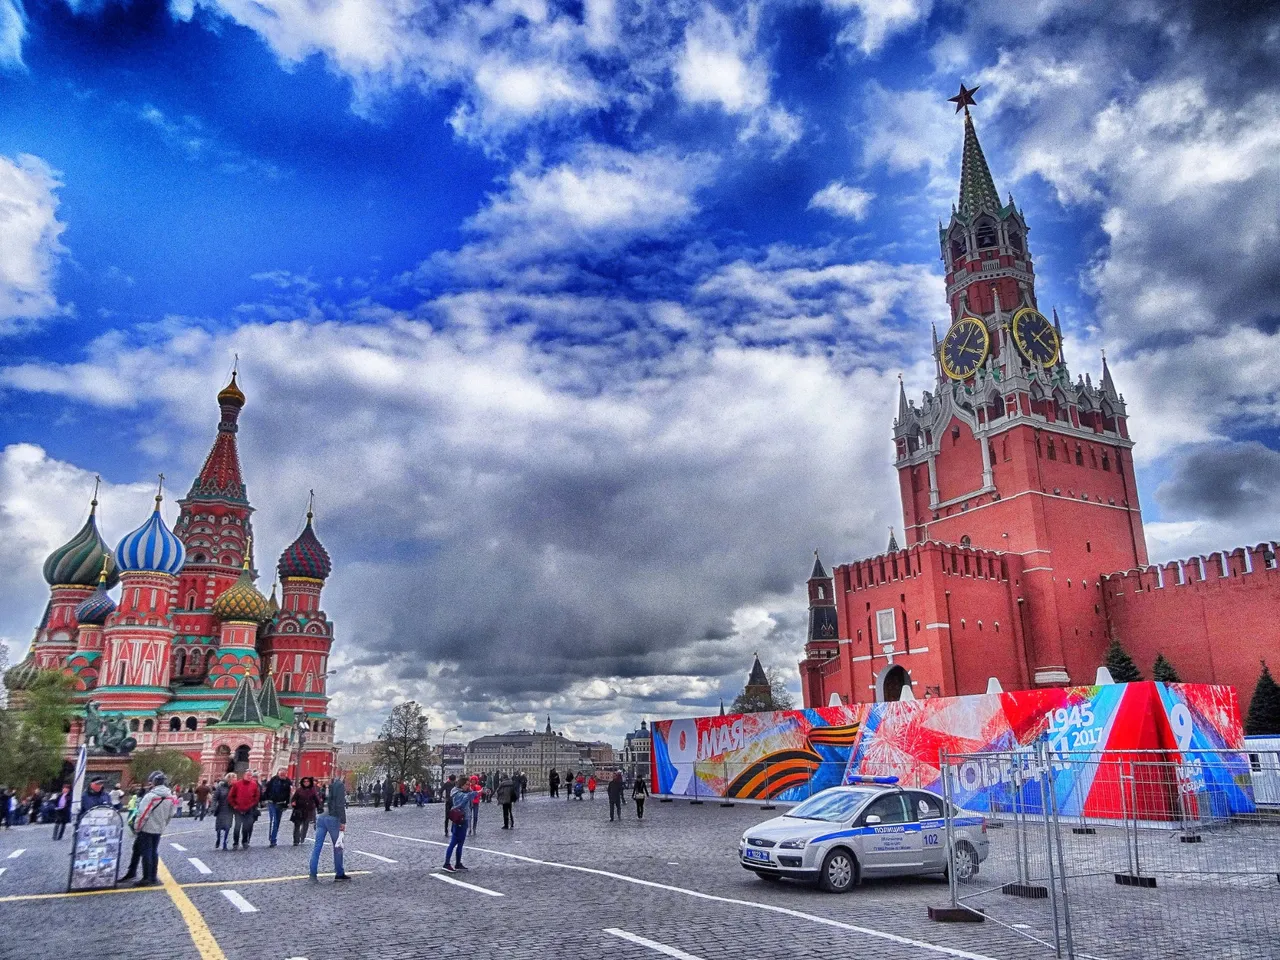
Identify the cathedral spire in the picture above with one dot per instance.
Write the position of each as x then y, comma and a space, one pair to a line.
902, 401
220, 477
977, 188
1108, 385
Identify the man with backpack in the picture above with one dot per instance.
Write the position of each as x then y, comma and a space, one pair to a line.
459, 814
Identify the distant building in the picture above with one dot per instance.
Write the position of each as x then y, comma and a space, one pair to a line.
524, 751
637, 748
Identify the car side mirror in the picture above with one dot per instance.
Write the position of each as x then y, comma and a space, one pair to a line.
871, 819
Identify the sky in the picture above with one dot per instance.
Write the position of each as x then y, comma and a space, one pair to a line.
584, 319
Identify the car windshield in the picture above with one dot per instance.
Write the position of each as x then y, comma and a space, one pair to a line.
832, 806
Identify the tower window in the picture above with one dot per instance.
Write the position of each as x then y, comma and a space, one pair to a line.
191, 723
1079, 458
1088, 546
986, 234
1015, 241
957, 248
822, 593
1106, 463
1053, 452
965, 541
175, 724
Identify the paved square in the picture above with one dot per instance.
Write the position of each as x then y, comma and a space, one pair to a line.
566, 883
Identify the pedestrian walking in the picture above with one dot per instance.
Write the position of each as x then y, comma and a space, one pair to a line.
553, 783
332, 824
202, 799
62, 812
243, 798
223, 815
277, 795
306, 806
476, 793
639, 793
154, 813
614, 790
387, 789
459, 804
569, 781
117, 796
506, 797
591, 786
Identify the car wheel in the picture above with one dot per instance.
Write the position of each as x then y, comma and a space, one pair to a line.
965, 860
769, 877
839, 870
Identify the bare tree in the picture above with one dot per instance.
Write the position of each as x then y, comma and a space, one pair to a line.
403, 745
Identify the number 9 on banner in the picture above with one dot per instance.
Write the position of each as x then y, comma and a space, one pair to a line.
1183, 726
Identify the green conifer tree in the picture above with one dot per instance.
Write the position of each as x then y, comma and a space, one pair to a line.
1163, 671
1264, 708
1121, 665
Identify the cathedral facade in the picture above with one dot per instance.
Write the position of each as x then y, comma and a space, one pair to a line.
190, 654
1024, 553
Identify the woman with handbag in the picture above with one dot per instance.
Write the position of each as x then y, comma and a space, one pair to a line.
460, 802
306, 804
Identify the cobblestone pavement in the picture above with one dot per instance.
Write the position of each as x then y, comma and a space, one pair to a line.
571, 885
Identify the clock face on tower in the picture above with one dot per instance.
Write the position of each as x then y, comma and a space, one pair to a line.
1036, 337
964, 348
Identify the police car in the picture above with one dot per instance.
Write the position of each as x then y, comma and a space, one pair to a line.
870, 828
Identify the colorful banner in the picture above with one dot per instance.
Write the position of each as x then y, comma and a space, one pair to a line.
791, 755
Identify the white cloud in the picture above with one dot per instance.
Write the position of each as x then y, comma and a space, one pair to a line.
842, 200
29, 246
869, 23
907, 130
13, 30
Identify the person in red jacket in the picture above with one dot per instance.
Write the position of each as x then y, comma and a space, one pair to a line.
243, 800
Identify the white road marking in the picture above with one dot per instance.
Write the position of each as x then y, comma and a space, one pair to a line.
469, 886
241, 904
767, 907
652, 944
178, 846
198, 864
17, 853
2, 870
375, 856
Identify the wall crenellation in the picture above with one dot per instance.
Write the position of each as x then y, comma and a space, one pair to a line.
1221, 566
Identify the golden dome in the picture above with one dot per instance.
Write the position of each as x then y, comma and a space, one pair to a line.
231, 393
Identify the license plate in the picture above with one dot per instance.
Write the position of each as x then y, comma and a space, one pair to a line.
761, 855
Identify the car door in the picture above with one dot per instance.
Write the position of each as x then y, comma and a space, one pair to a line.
933, 828
891, 837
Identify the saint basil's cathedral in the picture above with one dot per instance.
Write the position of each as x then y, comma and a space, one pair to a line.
1024, 553
192, 655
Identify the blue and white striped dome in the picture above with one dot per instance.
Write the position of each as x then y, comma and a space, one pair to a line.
152, 548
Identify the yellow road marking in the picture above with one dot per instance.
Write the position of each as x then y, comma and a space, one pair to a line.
201, 935
17, 897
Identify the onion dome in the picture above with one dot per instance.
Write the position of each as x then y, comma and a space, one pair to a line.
231, 394
152, 548
241, 601
80, 559
95, 608
305, 557
22, 676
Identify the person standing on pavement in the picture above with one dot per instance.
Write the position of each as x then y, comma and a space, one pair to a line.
591, 786
569, 781
202, 799
117, 796
553, 783
387, 789
306, 806
639, 792
615, 789
94, 796
243, 798
458, 806
476, 793
277, 796
506, 797
448, 788
332, 824
62, 812
223, 815
155, 810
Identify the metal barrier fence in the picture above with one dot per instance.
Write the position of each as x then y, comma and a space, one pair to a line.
1154, 859
777, 781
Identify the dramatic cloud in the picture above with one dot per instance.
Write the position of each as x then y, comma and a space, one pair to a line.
29, 247
869, 23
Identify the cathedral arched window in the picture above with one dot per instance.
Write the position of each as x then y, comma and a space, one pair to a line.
120, 680
148, 726
191, 601
133, 726
987, 236
191, 723
175, 724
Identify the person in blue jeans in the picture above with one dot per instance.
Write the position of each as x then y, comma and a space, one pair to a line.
460, 802
332, 824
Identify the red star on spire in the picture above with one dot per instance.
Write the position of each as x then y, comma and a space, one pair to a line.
964, 99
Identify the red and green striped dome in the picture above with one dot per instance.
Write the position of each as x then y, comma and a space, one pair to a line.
305, 557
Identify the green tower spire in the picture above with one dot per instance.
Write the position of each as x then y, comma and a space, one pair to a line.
977, 189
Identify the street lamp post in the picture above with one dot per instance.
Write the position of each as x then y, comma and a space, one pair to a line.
302, 728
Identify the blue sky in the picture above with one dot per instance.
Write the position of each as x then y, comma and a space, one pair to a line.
584, 319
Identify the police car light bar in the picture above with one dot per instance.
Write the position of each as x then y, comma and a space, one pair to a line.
858, 778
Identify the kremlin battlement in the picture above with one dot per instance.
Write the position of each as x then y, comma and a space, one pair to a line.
1220, 567
949, 559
